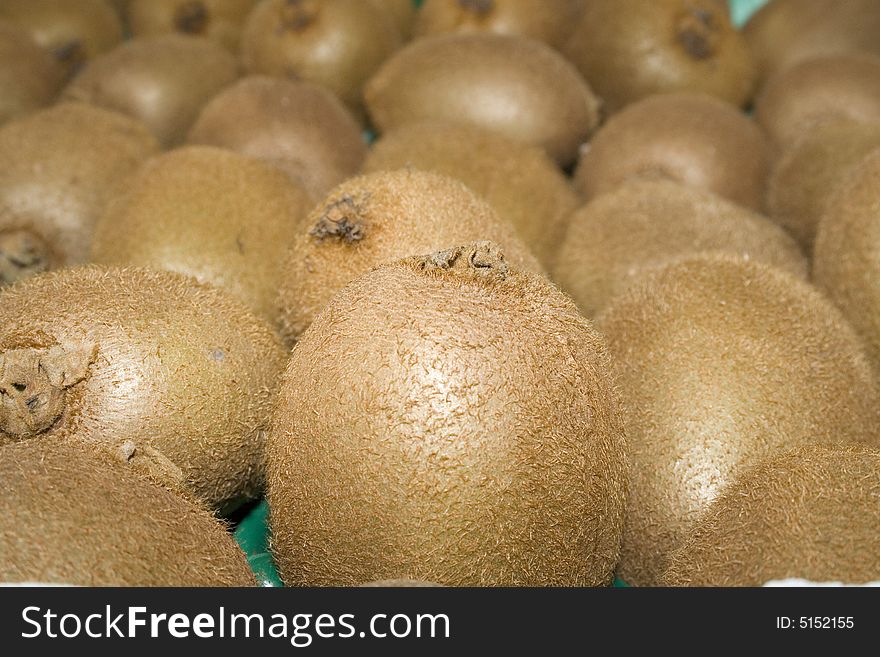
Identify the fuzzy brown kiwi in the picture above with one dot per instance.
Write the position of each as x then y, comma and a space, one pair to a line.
550, 21
171, 376
806, 175
163, 80
630, 49
400, 583
71, 516
378, 218
335, 43
403, 12
695, 139
297, 126
61, 166
647, 223
29, 76
520, 88
464, 411
809, 513
74, 32
221, 21
520, 181
722, 362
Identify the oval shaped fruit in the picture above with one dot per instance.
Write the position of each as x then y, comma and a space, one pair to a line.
164, 81
61, 166
809, 513
75, 517
297, 126
695, 139
520, 88
221, 21
629, 49
173, 377
29, 76
647, 223
523, 185
721, 363
379, 218
464, 412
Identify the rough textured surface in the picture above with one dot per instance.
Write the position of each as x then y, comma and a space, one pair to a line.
520, 181
450, 419
810, 513
808, 173
648, 223
721, 363
520, 88
219, 20
179, 382
695, 139
69, 516
297, 126
379, 218
221, 217
61, 166
29, 75
400, 583
164, 81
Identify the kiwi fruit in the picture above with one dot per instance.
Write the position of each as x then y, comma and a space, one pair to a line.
550, 21
630, 49
75, 517
846, 257
164, 81
464, 411
520, 88
218, 216
807, 173
378, 218
29, 76
403, 12
696, 139
520, 181
400, 583
297, 126
721, 362
73, 31
334, 43
221, 21
647, 223
61, 166
170, 376
808, 513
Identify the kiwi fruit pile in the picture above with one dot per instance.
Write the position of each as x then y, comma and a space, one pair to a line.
426, 293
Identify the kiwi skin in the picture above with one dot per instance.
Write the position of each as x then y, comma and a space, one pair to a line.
72, 516
29, 76
520, 88
520, 181
720, 363
809, 513
172, 377
646, 223
400, 583
464, 411
695, 139
403, 12
297, 126
219, 20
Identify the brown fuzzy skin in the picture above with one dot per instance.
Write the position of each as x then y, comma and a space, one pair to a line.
403, 12
520, 181
29, 75
649, 223
808, 173
842, 87
70, 516
178, 378
378, 218
451, 419
550, 21
338, 44
222, 21
695, 139
630, 49
520, 88
61, 166
846, 258
721, 363
400, 584
297, 126
164, 81
809, 513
